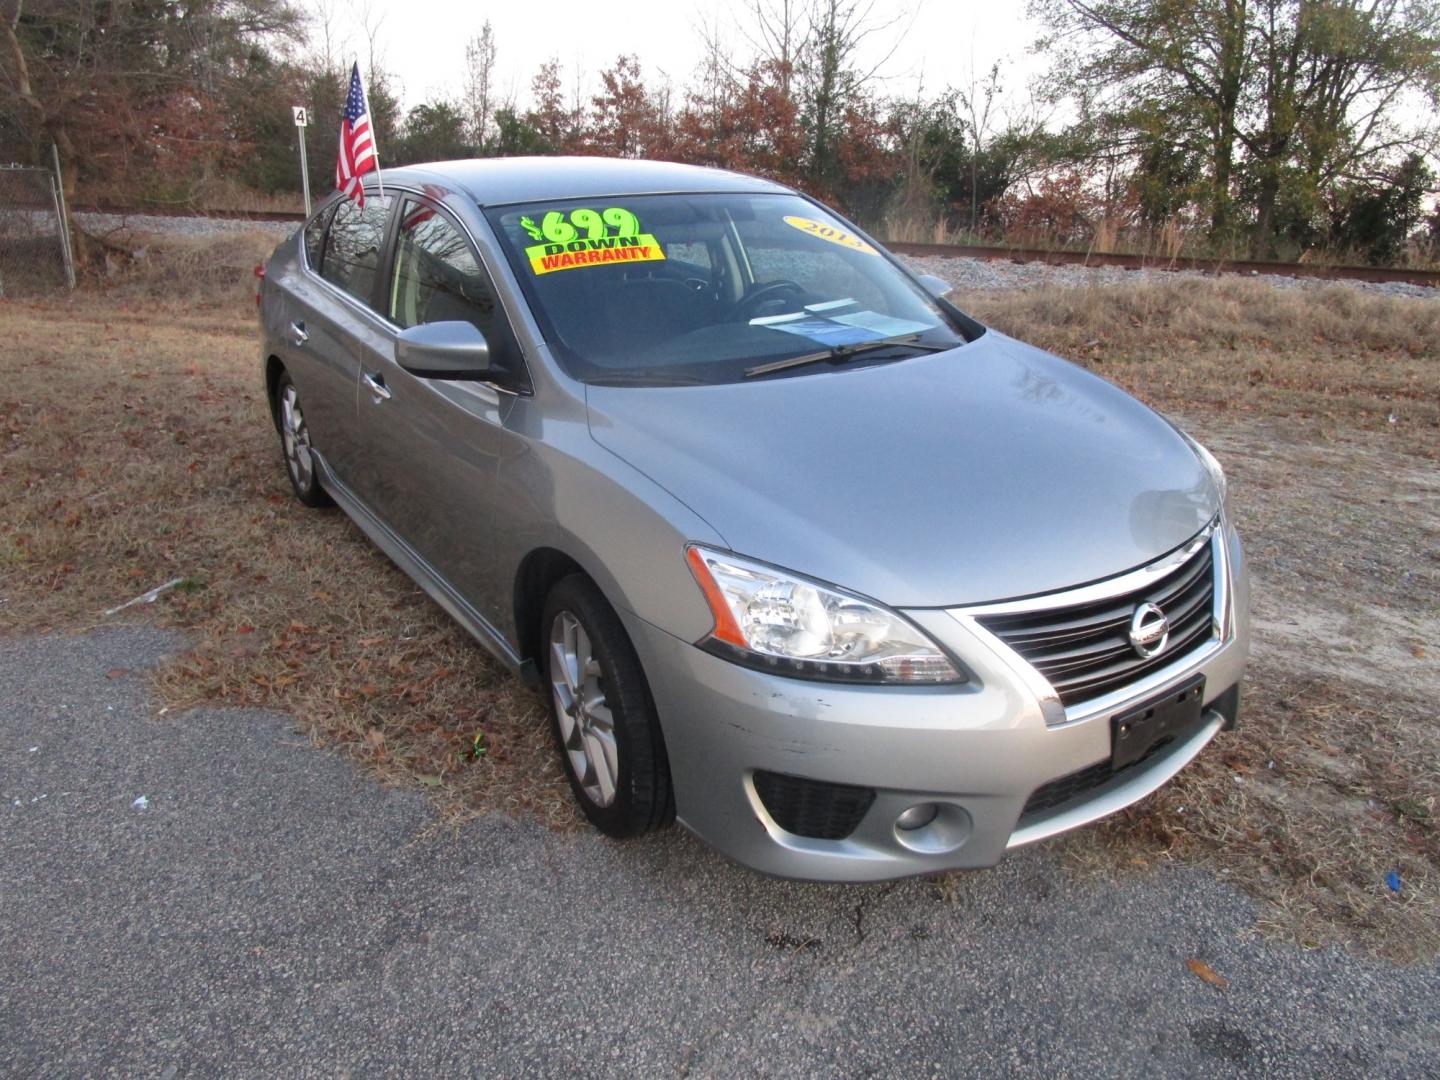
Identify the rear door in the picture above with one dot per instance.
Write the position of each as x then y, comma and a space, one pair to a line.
431, 448
333, 325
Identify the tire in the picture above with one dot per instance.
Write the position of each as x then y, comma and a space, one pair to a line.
295, 444
612, 750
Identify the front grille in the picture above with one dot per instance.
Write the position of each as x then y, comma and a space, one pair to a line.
812, 808
1084, 650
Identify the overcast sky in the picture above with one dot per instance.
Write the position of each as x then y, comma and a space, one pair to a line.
423, 41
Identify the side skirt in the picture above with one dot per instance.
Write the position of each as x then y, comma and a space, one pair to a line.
424, 575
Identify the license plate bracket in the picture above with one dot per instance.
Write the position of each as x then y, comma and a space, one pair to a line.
1134, 733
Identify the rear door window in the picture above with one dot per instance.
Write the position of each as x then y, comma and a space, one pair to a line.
315, 237
352, 248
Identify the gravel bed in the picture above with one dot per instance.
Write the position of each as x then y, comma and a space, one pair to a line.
969, 275
130, 226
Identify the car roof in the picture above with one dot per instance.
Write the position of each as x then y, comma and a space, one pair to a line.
499, 181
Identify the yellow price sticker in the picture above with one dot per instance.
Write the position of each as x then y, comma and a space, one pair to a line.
831, 234
584, 237
602, 251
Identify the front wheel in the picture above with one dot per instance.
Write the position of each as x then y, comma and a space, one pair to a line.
602, 713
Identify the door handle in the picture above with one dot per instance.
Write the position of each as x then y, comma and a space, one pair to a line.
376, 385
297, 329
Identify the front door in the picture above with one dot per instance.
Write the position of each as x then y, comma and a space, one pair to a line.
431, 448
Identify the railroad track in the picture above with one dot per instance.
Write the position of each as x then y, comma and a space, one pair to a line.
1376, 274
181, 212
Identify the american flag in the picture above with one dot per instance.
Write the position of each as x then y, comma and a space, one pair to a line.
357, 142
417, 213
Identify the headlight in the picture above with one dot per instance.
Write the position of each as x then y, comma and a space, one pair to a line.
783, 623
1217, 474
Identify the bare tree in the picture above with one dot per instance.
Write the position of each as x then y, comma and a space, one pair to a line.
832, 78
480, 84
575, 133
717, 76
779, 32
322, 18
979, 102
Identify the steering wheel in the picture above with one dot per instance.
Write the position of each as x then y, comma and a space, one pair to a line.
756, 295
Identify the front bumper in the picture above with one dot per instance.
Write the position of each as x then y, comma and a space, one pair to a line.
978, 750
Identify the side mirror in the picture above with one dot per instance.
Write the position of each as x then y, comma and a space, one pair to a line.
935, 286
444, 350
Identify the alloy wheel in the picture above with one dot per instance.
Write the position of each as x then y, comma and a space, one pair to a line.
587, 726
296, 438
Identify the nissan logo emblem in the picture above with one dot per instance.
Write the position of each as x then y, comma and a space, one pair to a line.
1149, 630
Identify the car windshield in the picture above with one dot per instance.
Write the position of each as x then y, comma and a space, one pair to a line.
711, 288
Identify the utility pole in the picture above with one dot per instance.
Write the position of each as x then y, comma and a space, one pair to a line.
301, 120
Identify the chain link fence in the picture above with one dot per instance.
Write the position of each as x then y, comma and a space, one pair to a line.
35, 254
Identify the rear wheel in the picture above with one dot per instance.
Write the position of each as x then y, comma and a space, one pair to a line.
295, 442
602, 713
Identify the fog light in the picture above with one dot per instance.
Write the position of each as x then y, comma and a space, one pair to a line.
933, 828
917, 817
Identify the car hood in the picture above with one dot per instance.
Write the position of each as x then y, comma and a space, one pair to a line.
990, 471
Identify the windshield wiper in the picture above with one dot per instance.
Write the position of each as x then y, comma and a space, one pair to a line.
844, 352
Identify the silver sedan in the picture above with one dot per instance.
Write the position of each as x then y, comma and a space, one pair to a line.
799, 553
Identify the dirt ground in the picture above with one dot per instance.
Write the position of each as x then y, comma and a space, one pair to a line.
1330, 785
136, 449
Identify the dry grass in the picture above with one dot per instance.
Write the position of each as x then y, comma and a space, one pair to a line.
136, 448
1336, 354
1309, 806
1325, 407
188, 273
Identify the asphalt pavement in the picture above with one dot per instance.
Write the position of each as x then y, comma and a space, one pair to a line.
208, 894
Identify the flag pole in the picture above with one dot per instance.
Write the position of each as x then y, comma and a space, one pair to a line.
374, 136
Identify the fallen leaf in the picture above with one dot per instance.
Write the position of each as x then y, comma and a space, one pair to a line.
1417, 651
1204, 971
430, 781
117, 673
375, 737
